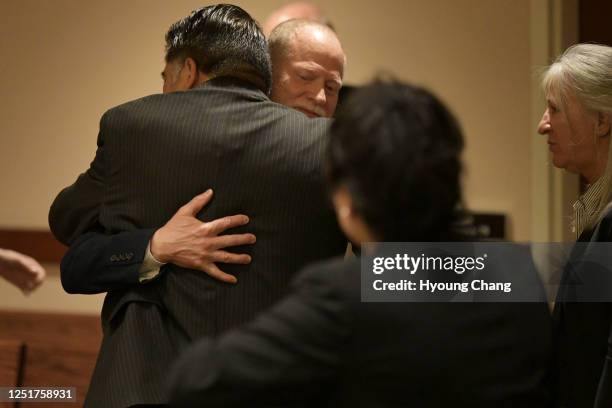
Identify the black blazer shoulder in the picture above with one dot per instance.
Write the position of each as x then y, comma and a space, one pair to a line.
321, 346
583, 328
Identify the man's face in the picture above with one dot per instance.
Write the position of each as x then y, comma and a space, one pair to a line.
309, 76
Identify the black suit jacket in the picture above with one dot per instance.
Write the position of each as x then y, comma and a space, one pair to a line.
321, 346
154, 154
583, 332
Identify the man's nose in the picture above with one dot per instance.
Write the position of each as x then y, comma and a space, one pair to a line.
320, 97
544, 125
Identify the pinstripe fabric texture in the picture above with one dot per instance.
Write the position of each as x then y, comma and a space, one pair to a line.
154, 154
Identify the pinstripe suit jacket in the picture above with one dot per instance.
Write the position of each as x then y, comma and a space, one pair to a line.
156, 153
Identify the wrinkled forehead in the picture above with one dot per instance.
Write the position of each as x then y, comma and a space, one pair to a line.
318, 45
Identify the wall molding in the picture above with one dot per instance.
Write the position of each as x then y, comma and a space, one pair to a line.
39, 244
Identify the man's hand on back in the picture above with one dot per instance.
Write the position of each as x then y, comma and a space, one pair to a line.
190, 243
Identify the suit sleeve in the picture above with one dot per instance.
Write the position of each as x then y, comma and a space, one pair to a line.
97, 263
76, 209
281, 357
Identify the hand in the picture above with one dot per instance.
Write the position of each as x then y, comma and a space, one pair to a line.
21, 270
190, 243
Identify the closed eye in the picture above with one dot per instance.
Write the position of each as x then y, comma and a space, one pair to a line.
305, 77
333, 87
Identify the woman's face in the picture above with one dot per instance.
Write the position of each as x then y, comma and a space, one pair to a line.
572, 137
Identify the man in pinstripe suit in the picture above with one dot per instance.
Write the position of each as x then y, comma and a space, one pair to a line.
221, 132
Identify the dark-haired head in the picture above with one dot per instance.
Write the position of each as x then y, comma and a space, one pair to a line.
394, 165
221, 40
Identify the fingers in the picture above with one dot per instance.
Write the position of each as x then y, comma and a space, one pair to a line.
22, 278
226, 241
196, 204
219, 225
23, 271
31, 266
30, 286
214, 272
39, 276
230, 258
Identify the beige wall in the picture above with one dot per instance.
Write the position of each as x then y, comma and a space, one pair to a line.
64, 62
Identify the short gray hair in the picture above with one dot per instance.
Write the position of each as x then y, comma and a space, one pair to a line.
281, 37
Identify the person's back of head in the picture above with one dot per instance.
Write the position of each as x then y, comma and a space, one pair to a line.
396, 149
223, 40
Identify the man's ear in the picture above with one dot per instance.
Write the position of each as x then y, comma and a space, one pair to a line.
189, 73
192, 76
603, 124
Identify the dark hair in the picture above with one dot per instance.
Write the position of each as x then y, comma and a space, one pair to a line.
397, 150
223, 40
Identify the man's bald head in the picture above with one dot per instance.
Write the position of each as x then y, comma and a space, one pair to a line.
307, 65
294, 11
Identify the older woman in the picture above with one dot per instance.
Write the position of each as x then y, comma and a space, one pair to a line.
578, 88
394, 168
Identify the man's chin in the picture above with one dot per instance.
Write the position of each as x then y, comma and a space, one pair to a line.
308, 113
